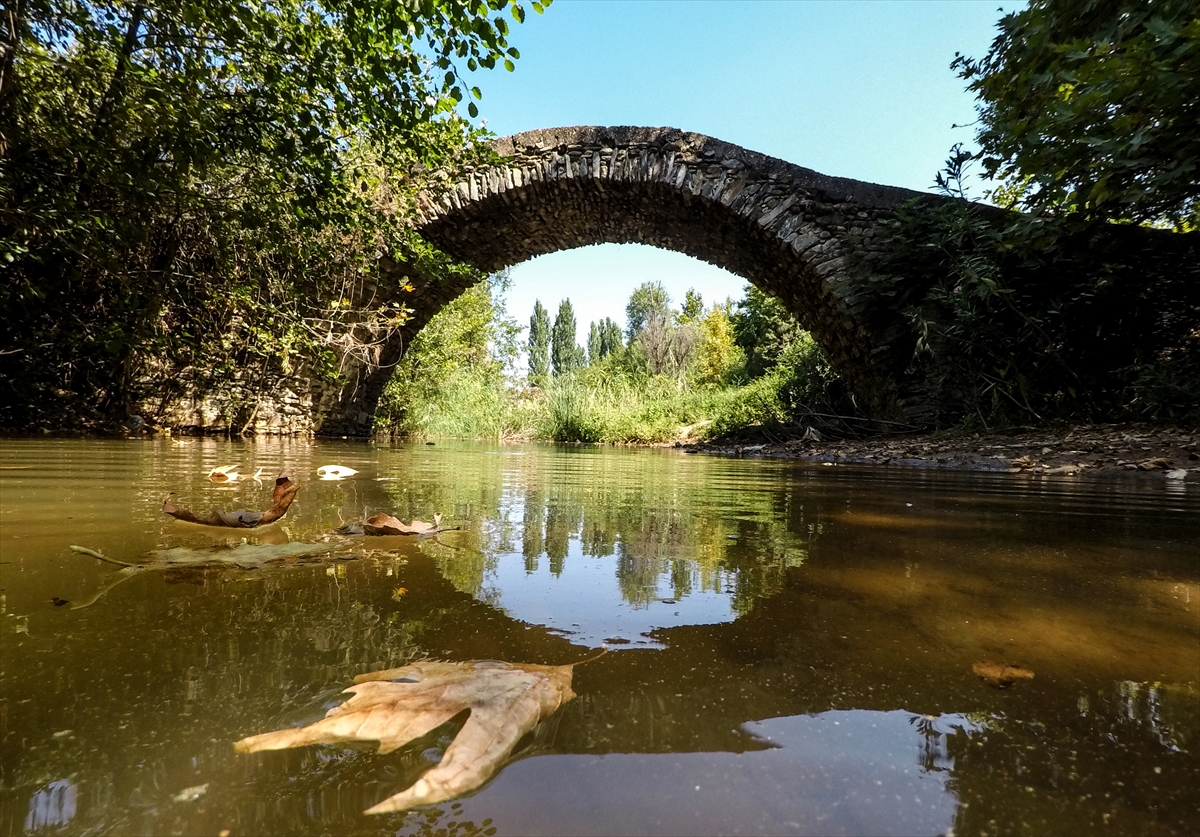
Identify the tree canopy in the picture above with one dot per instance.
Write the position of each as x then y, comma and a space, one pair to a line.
1093, 106
604, 338
647, 302
693, 307
174, 172
764, 330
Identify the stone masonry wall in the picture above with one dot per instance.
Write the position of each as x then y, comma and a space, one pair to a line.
799, 235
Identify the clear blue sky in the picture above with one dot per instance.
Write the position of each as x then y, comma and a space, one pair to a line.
854, 89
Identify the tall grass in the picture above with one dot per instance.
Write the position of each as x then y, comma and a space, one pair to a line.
659, 410
567, 409
604, 403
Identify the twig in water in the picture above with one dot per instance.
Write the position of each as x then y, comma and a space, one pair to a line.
83, 550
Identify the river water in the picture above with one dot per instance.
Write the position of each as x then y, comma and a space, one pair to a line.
791, 647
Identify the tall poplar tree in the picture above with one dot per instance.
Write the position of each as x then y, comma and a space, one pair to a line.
564, 353
604, 338
595, 348
539, 343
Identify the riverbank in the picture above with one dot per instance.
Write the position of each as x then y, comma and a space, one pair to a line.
1164, 451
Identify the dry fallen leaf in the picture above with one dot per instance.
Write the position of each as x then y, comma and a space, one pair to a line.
281, 499
1000, 675
398, 705
385, 524
1157, 464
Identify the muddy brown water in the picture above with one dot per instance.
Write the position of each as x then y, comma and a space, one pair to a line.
791, 645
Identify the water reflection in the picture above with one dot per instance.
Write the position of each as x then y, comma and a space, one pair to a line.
51, 806
800, 644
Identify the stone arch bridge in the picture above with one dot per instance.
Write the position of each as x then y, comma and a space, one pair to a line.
802, 237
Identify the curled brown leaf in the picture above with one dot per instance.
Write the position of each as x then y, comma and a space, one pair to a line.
281, 500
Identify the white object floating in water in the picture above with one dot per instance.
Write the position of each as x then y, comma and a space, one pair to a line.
225, 473
335, 472
1177, 474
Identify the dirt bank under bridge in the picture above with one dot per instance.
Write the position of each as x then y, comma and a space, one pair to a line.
1155, 451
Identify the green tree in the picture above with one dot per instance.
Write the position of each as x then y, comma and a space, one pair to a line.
451, 380
174, 175
539, 344
693, 307
611, 339
764, 330
594, 346
647, 302
604, 338
1092, 106
718, 355
565, 354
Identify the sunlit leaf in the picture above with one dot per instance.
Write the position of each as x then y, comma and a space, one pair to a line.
396, 706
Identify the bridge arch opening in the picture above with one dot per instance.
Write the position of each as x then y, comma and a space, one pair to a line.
599, 279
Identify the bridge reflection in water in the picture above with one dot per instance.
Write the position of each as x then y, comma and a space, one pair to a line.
822, 684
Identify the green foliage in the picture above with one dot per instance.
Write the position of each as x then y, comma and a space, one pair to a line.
647, 303
1028, 320
693, 307
719, 357
207, 185
1090, 106
605, 408
539, 344
764, 330
604, 338
451, 381
801, 389
565, 355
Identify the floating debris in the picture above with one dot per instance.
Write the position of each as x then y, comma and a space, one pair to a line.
335, 472
1000, 675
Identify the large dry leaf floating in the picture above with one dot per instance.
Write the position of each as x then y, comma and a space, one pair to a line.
399, 705
385, 524
281, 500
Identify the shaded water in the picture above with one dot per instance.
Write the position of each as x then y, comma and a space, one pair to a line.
792, 646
